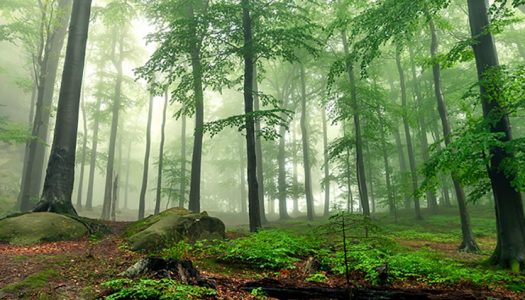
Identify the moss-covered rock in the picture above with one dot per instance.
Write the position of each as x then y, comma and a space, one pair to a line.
40, 227
140, 225
172, 227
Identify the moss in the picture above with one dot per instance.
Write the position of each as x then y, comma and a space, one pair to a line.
33, 281
141, 225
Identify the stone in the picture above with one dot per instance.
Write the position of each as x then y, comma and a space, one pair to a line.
39, 227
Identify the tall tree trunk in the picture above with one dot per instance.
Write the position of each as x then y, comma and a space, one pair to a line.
182, 187
326, 166
259, 153
196, 161
249, 62
33, 172
295, 180
114, 201
58, 184
83, 159
361, 174
242, 175
283, 210
128, 163
368, 161
306, 151
144, 188
93, 159
510, 248
390, 198
402, 163
117, 63
431, 197
161, 154
468, 244
410, 149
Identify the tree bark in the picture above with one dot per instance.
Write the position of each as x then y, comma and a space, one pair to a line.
58, 184
161, 154
468, 244
306, 151
242, 177
283, 210
259, 153
326, 166
249, 62
510, 248
117, 63
431, 197
196, 161
182, 196
295, 180
360, 163
144, 188
128, 163
33, 171
93, 159
83, 159
368, 161
410, 149
390, 198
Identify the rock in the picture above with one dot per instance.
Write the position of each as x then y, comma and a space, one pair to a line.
40, 227
175, 226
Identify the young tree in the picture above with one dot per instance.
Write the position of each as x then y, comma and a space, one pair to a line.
144, 188
161, 154
58, 184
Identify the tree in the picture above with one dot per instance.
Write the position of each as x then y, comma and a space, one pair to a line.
58, 184
510, 248
161, 154
144, 188
249, 61
306, 150
47, 59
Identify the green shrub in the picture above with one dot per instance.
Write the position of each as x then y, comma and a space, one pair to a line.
162, 289
177, 251
268, 249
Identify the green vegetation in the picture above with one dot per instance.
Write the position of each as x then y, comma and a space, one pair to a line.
162, 289
33, 281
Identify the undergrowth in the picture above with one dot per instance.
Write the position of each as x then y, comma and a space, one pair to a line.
162, 289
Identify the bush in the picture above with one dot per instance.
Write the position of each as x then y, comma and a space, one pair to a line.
162, 289
268, 249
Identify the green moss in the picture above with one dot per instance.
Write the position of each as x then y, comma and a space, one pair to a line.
33, 281
140, 225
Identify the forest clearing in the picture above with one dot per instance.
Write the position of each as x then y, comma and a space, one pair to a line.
262, 149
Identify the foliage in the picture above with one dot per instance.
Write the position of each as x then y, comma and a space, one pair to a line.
162, 289
269, 249
178, 251
13, 133
317, 277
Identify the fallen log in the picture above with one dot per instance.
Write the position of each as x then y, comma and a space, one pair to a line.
275, 289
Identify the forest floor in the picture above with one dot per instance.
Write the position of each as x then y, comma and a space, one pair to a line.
77, 269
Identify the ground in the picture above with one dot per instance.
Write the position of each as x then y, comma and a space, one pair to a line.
76, 269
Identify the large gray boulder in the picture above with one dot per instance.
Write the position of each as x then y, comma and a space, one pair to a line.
176, 226
33, 228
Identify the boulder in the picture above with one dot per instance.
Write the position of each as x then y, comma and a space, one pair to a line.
40, 227
172, 227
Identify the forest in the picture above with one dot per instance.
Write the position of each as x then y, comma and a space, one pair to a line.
262, 149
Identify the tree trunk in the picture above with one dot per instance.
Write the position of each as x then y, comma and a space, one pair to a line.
242, 176
283, 210
295, 179
410, 149
431, 197
368, 161
361, 175
93, 159
161, 154
83, 159
114, 200
58, 184
306, 151
117, 63
144, 188
128, 163
510, 248
259, 153
33, 172
326, 166
390, 198
196, 161
182, 196
468, 244
249, 62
